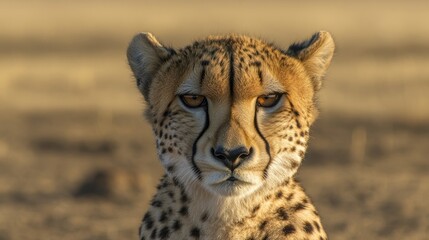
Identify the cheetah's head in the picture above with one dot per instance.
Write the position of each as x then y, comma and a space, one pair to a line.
230, 114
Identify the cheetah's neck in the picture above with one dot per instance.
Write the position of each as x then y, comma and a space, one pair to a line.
228, 217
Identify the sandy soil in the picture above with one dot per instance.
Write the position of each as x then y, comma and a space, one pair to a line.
77, 159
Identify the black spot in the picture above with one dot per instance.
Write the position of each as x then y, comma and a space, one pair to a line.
164, 233
153, 234
147, 219
298, 207
165, 183
204, 63
163, 216
256, 208
298, 124
317, 226
176, 182
204, 217
282, 214
183, 211
279, 194
170, 168
263, 224
177, 225
184, 198
308, 228
294, 164
266, 237
289, 229
195, 232
156, 203
286, 182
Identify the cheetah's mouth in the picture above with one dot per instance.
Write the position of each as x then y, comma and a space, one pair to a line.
230, 180
231, 183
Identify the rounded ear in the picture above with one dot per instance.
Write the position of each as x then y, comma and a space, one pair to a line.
145, 56
315, 54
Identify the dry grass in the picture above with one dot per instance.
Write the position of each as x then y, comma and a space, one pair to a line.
69, 108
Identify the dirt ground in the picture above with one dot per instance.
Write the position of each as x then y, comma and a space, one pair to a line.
77, 159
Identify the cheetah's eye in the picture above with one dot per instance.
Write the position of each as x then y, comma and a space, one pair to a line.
193, 101
269, 100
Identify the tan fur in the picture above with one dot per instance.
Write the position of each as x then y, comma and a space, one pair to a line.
231, 72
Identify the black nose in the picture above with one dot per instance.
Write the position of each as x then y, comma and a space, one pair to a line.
231, 157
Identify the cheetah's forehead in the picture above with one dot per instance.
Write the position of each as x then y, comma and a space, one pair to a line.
236, 67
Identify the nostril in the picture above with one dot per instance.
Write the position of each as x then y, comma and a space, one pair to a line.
246, 154
231, 158
219, 153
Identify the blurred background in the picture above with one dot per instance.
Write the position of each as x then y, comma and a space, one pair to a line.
77, 159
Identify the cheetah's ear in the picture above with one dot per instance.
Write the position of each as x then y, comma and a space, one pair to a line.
316, 54
145, 57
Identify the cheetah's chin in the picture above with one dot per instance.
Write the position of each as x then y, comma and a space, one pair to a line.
235, 188
230, 185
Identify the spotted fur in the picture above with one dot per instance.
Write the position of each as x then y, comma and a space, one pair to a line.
202, 195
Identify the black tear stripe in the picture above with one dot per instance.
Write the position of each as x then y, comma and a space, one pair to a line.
267, 145
194, 146
230, 50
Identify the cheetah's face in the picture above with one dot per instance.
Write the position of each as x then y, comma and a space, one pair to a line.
231, 114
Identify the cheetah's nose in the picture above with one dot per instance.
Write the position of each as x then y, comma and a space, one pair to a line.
231, 158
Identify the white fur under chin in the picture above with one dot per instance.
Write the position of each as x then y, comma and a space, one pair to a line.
226, 208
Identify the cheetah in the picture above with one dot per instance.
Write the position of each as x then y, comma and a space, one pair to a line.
231, 116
